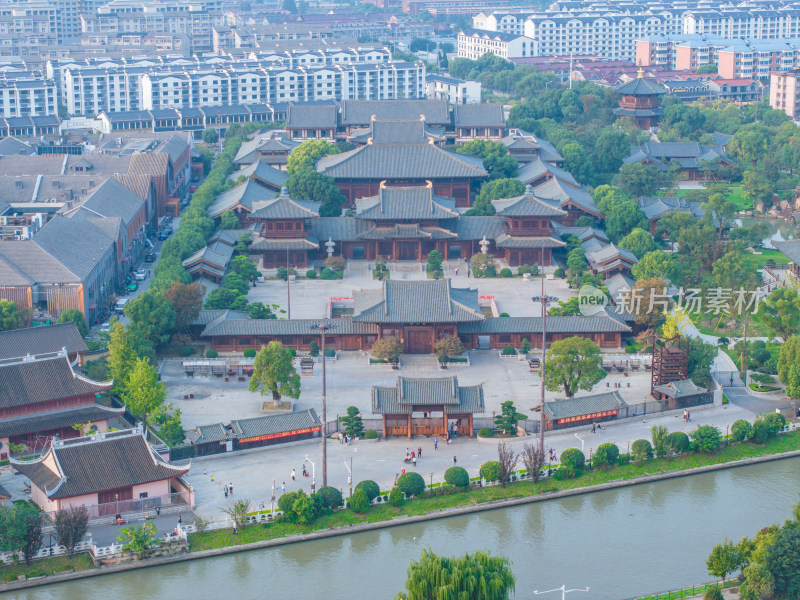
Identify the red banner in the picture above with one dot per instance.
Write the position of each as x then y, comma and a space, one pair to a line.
272, 436
597, 415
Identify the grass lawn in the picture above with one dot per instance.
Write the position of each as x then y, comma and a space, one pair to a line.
728, 326
48, 566
383, 512
759, 260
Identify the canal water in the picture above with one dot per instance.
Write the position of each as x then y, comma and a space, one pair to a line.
620, 543
778, 230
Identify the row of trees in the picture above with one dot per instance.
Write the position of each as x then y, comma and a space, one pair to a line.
21, 529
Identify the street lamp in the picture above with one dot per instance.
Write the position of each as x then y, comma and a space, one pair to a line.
323, 327
288, 287
564, 591
545, 300
350, 472
313, 474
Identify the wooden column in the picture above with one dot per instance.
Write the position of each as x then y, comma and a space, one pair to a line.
384, 426
409, 426
444, 421
470, 425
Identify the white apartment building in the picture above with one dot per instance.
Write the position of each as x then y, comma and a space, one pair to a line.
474, 44
27, 97
452, 90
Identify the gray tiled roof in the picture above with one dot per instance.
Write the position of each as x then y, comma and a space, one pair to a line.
264, 172
46, 421
583, 405
113, 199
610, 252
641, 87
291, 421
474, 228
245, 194
478, 115
309, 117
75, 243
217, 255
205, 316
261, 244
283, 207
27, 382
582, 233
790, 249
563, 192
126, 460
233, 324
28, 259
537, 167
420, 392
570, 324
527, 205
14, 147
680, 389
41, 340
508, 241
360, 112
337, 228
432, 301
400, 161
406, 231
175, 147
409, 202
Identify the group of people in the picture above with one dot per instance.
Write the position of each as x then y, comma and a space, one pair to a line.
411, 456
228, 489
552, 453
596, 427
687, 417
345, 439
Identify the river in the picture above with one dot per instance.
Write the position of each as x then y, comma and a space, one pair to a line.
620, 543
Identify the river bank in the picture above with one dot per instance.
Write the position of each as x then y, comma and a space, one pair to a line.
354, 528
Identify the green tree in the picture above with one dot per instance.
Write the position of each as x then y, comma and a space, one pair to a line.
705, 438
210, 136
732, 271
448, 346
70, 525
756, 187
725, 559
490, 470
308, 184
73, 315
359, 502
457, 477
257, 310
655, 265
308, 508
701, 357
244, 267
9, 315
638, 179
353, 424
387, 348
659, 435
782, 311
306, 155
638, 241
478, 576
229, 220
274, 372
139, 540
21, 530
222, 298
144, 394
152, 317
121, 355
494, 155
720, 210
611, 146
758, 583
508, 418
622, 218
331, 497
741, 430
573, 364
641, 450
434, 261
186, 300
495, 189
606, 455
678, 442
573, 459
371, 489
411, 484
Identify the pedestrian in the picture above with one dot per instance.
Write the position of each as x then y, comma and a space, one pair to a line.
594, 427
435, 443
455, 462
235, 531
449, 440
158, 511
419, 452
456, 271
283, 487
688, 416
396, 475
230, 489
225, 489
555, 457
413, 455
408, 451
414, 459
180, 519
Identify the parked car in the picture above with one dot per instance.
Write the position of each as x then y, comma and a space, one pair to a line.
162, 235
106, 327
140, 274
133, 286
150, 257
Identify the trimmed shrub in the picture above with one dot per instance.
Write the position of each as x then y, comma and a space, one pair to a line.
565, 473
490, 271
311, 274
760, 432
641, 450
371, 489
396, 497
329, 274
490, 471
212, 354
457, 476
330, 352
606, 455
678, 442
774, 423
504, 314
630, 349
505, 272
250, 353
713, 593
509, 351
411, 484
313, 348
285, 504
485, 432
560, 272
741, 430
574, 459
370, 434
360, 501
331, 497
186, 351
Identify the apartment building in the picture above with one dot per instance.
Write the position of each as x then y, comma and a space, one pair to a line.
29, 97
784, 93
474, 44
454, 91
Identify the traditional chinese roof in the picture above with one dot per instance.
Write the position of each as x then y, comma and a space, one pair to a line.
237, 323
564, 193
680, 389
400, 231
442, 391
255, 427
478, 115
282, 207
641, 87
517, 241
361, 112
41, 340
88, 465
609, 257
46, 421
35, 379
600, 323
527, 205
432, 301
537, 168
657, 207
790, 249
262, 171
213, 258
583, 405
244, 195
407, 202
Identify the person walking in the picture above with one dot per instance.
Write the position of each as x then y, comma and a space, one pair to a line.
414, 459
594, 427
304, 470
225, 489
455, 462
180, 519
293, 475
419, 452
283, 487
230, 489
435, 443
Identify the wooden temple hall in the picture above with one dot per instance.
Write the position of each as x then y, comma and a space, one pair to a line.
427, 406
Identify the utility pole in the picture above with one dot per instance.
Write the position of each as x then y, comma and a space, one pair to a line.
545, 300
323, 327
288, 289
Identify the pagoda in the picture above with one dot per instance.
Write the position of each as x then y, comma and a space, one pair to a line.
639, 101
